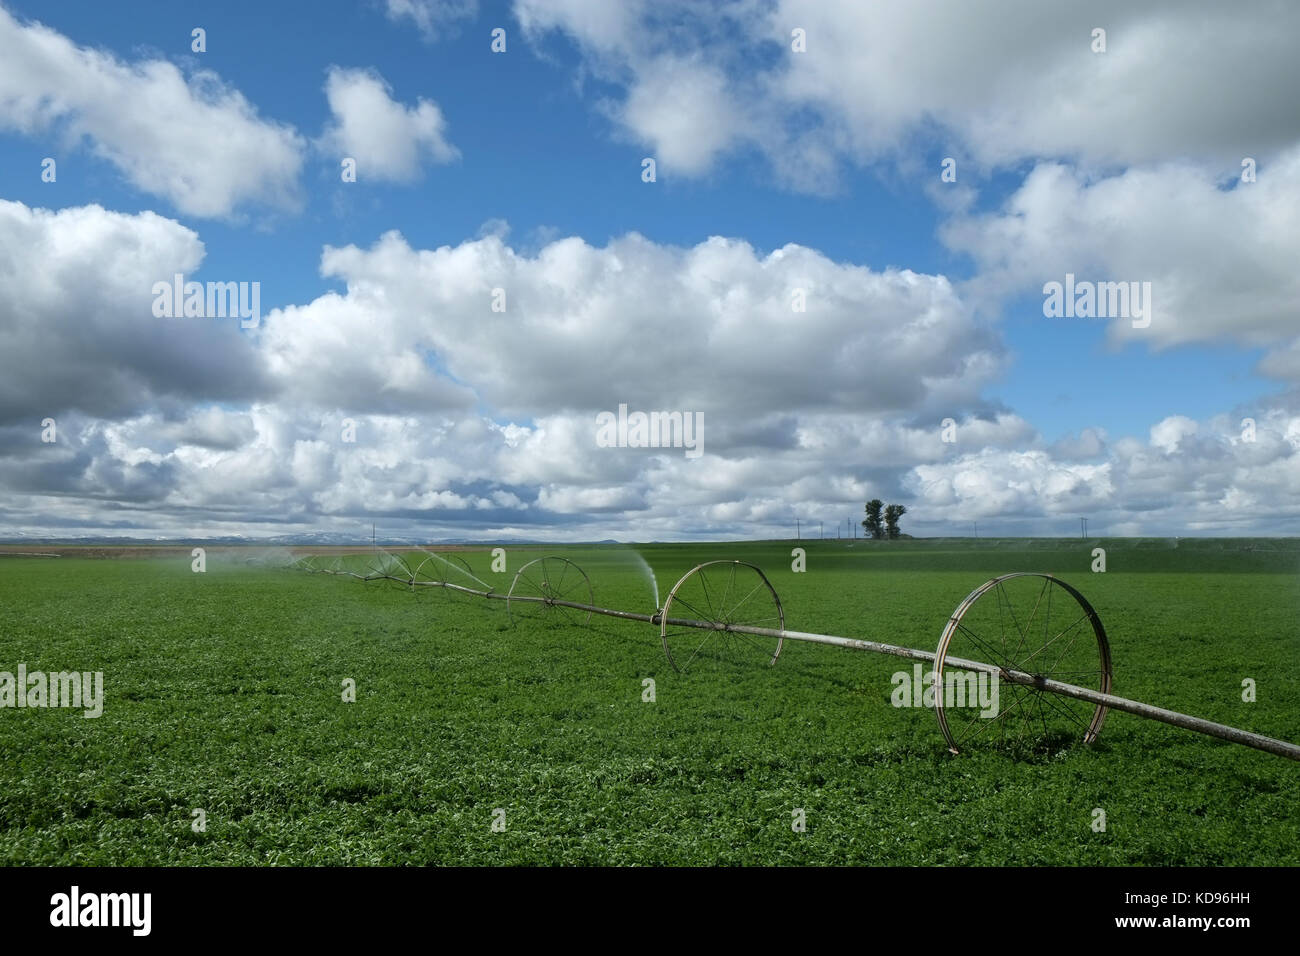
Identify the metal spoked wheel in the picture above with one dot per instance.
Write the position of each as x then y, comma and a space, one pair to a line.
440, 570
543, 582
386, 568
697, 620
1031, 623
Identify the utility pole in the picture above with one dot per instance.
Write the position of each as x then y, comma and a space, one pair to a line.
821, 531
977, 529
796, 530
373, 546
1083, 525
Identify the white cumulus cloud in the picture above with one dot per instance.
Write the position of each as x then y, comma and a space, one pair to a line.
389, 141
193, 141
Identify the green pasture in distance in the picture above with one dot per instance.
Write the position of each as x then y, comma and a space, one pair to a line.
223, 694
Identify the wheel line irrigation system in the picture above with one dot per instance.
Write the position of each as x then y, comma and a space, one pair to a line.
751, 628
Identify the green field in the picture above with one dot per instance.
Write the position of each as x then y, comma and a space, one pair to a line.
223, 692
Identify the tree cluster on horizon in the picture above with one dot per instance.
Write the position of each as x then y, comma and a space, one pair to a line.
882, 519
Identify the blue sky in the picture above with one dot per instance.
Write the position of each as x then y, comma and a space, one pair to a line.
836, 150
